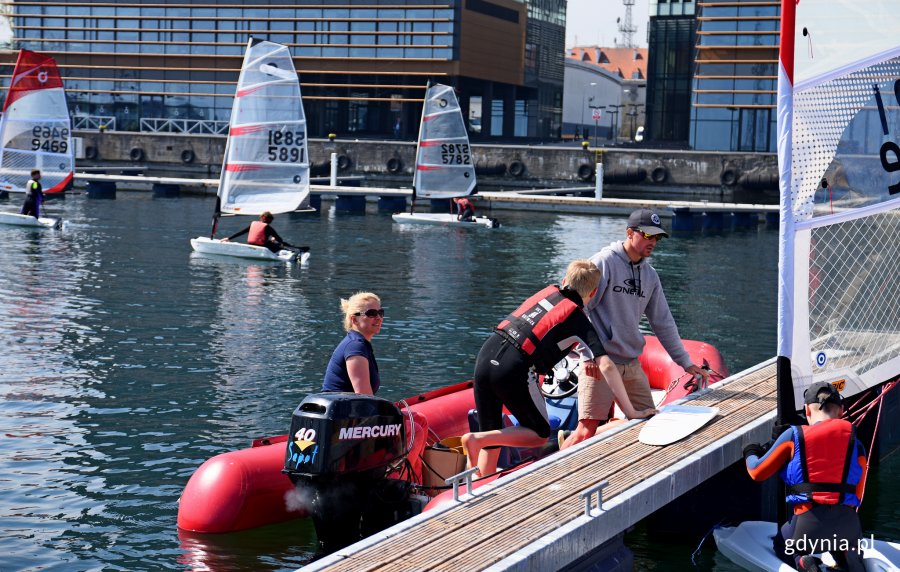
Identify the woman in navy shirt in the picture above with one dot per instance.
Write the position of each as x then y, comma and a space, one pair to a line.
353, 367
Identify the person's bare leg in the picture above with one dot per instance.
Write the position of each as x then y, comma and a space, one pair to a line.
611, 425
510, 436
586, 428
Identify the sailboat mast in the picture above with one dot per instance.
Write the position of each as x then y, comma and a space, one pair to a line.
412, 202
785, 389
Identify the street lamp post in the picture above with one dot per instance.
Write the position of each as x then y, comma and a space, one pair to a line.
583, 95
614, 111
633, 113
596, 115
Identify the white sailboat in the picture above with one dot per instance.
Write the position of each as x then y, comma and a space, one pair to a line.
444, 165
839, 306
35, 133
266, 166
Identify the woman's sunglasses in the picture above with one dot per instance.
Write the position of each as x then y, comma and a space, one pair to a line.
371, 313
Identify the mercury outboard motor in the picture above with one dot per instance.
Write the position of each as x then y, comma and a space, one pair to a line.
339, 449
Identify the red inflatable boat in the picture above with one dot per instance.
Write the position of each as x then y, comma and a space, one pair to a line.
247, 488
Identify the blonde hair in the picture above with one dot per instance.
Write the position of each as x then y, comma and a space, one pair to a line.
582, 276
356, 303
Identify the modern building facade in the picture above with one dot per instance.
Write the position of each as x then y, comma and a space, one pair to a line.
736, 76
605, 93
671, 41
363, 67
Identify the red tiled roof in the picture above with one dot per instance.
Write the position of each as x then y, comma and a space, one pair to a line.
623, 62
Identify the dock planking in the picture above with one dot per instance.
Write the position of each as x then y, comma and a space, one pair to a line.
536, 519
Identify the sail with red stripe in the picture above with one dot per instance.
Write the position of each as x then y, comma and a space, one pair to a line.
36, 132
839, 162
266, 165
444, 164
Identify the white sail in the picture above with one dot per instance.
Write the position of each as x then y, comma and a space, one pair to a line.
35, 132
266, 166
839, 119
444, 165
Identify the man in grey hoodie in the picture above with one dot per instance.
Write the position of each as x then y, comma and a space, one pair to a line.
629, 288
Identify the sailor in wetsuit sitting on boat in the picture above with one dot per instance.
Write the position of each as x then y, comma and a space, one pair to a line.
531, 341
261, 233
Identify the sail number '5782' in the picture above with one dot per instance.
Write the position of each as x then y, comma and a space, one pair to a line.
455, 154
286, 146
49, 139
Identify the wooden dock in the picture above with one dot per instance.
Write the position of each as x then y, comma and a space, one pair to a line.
535, 519
548, 200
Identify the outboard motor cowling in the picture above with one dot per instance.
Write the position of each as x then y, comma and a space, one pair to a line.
339, 448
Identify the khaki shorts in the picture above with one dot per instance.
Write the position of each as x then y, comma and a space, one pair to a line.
595, 398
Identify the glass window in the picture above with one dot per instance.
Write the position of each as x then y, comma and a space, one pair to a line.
443, 53
203, 24
282, 38
390, 53
127, 11
417, 53
127, 36
362, 39
362, 26
362, 52
309, 52
330, 52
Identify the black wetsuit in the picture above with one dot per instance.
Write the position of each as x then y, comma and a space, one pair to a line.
34, 197
502, 370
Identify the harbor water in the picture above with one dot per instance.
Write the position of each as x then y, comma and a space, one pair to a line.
126, 360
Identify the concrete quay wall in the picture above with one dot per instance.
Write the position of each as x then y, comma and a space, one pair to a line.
748, 177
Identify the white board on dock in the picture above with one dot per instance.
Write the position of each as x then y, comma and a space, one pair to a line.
675, 422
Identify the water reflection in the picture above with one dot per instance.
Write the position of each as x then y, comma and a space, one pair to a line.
125, 362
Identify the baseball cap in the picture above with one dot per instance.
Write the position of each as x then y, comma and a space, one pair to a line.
811, 395
646, 221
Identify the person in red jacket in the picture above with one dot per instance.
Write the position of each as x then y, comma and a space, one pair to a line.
465, 210
261, 233
824, 469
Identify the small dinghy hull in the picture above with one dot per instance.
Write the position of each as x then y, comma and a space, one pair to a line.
749, 545
206, 245
28, 220
445, 220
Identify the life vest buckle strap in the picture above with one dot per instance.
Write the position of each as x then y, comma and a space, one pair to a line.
803, 488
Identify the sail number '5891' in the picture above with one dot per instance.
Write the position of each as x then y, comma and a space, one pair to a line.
50, 139
455, 154
286, 146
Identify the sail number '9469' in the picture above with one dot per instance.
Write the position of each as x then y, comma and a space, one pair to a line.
50, 139
286, 146
455, 154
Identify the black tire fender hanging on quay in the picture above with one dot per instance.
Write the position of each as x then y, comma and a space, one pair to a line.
394, 165
585, 172
659, 175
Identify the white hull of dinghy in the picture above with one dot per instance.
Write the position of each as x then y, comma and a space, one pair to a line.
749, 545
28, 220
242, 250
444, 219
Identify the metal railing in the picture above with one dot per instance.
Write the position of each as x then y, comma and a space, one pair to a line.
94, 122
193, 126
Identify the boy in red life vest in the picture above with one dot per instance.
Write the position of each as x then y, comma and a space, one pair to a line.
824, 468
465, 210
261, 233
529, 342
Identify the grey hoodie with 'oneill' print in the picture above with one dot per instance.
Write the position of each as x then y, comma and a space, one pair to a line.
627, 291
